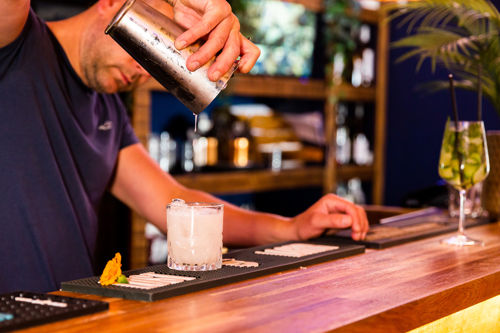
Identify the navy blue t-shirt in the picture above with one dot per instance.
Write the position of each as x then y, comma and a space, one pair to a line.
59, 143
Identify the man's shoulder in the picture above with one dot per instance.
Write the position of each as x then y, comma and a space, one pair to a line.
34, 35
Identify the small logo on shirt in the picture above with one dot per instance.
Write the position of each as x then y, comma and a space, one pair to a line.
106, 126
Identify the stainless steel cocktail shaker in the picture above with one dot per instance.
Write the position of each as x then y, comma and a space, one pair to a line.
148, 36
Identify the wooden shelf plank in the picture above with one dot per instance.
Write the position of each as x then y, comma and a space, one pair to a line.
266, 180
312, 5
282, 87
252, 181
370, 16
286, 87
366, 15
345, 92
264, 86
364, 172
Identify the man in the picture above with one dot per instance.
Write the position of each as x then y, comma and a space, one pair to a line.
65, 139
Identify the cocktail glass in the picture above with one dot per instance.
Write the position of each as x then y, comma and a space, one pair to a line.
473, 206
194, 235
463, 162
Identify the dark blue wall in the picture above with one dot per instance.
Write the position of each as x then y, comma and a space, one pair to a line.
415, 124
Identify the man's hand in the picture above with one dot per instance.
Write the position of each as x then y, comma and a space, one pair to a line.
213, 20
331, 212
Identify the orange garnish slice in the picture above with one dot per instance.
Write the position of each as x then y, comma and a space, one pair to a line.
112, 271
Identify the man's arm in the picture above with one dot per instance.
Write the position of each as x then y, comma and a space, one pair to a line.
147, 189
13, 14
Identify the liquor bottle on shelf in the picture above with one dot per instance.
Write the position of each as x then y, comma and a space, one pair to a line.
370, 4
367, 56
355, 191
338, 65
204, 143
352, 191
154, 146
221, 129
357, 59
363, 58
163, 150
168, 152
241, 144
187, 154
361, 154
343, 140
357, 68
212, 149
341, 191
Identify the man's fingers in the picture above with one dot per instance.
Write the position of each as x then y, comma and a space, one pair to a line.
212, 17
226, 58
214, 21
249, 55
334, 204
360, 224
224, 37
331, 221
364, 219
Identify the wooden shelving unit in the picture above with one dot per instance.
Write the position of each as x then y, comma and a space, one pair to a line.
282, 87
327, 176
264, 180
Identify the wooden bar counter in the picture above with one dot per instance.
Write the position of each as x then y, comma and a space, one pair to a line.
391, 290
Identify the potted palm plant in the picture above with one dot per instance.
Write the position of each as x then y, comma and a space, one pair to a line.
464, 37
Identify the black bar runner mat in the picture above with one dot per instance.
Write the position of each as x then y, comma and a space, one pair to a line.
411, 228
23, 309
227, 274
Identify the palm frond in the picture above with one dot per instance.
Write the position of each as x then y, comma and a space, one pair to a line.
461, 35
435, 43
441, 12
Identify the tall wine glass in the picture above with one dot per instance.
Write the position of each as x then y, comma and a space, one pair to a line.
463, 162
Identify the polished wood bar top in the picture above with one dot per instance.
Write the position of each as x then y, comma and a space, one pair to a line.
395, 289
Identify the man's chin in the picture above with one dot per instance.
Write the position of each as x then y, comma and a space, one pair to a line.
108, 89
103, 89
131, 86
115, 87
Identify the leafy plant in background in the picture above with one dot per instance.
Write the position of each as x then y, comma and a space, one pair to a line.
341, 18
284, 32
461, 35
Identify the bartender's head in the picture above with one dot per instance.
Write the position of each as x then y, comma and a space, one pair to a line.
99, 61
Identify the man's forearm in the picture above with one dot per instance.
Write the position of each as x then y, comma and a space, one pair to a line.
142, 185
244, 227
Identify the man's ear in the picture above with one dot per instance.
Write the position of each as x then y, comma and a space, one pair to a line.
104, 7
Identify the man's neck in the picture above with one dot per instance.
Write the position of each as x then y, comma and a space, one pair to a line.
69, 33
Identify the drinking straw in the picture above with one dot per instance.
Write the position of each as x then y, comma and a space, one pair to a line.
455, 113
453, 100
479, 94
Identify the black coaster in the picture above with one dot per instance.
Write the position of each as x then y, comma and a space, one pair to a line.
407, 229
24, 309
227, 274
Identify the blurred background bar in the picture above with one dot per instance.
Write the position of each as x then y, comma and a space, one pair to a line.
327, 109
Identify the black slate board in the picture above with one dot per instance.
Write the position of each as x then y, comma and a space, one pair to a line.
26, 314
267, 264
437, 220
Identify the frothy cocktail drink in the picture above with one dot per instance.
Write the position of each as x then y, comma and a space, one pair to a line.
194, 235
